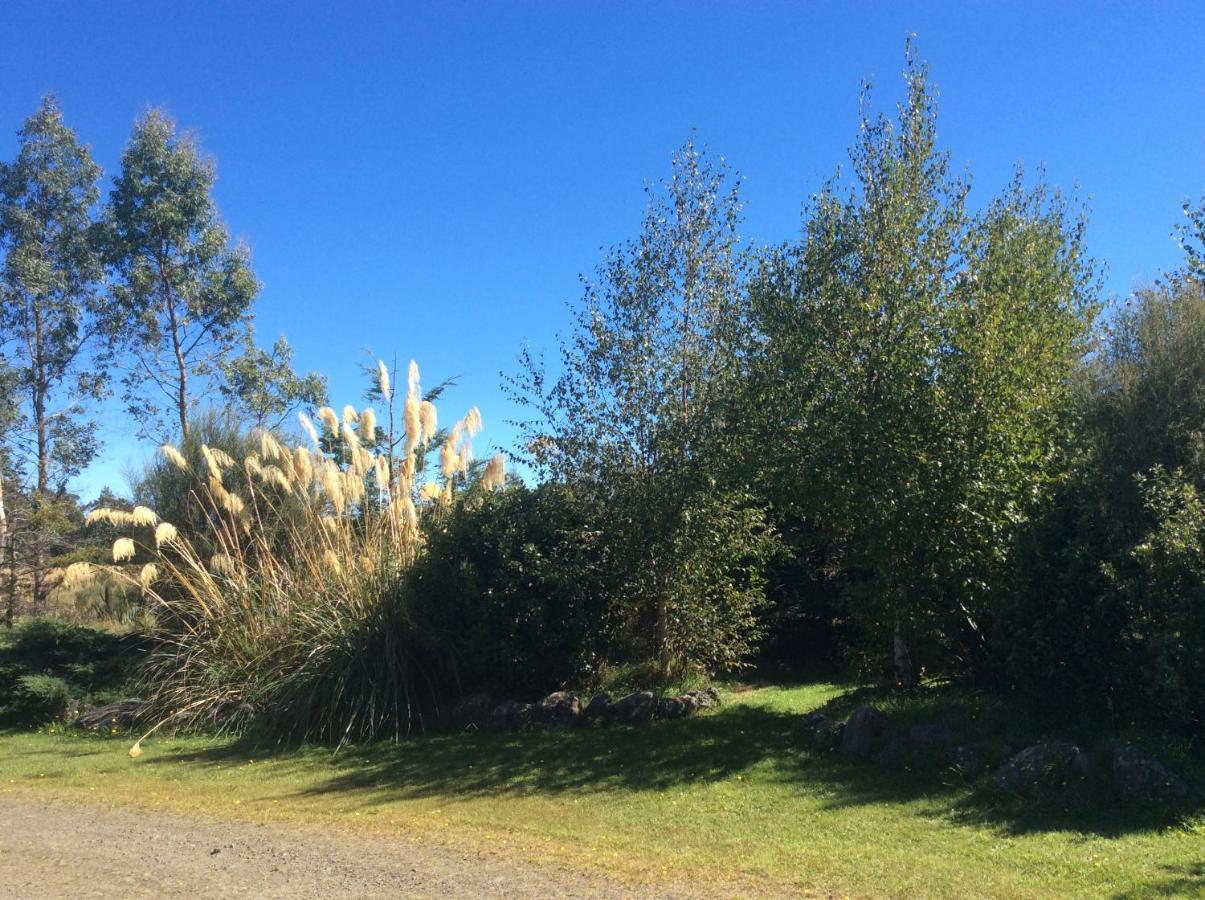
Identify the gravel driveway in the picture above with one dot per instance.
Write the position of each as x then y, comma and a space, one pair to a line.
58, 850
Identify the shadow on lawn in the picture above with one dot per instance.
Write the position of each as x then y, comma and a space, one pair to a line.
706, 748
1176, 881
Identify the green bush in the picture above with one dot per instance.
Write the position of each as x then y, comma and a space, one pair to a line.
38, 698
516, 585
40, 655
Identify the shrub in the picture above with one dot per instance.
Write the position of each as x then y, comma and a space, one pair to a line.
290, 608
517, 586
38, 698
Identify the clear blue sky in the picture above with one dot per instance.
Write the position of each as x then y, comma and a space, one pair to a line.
431, 179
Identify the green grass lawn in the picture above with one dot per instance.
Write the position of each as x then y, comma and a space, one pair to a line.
729, 796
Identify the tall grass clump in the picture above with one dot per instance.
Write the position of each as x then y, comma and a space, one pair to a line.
290, 609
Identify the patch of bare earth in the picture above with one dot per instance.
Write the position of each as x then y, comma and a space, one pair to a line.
53, 849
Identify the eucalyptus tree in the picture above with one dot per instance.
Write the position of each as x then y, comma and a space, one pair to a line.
49, 285
263, 386
182, 292
913, 383
635, 407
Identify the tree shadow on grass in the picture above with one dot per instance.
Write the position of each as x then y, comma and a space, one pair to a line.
1173, 881
706, 748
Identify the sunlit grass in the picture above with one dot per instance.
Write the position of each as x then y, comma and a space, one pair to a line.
724, 796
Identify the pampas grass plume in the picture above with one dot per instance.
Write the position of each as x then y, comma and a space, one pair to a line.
123, 549
174, 456
165, 533
308, 425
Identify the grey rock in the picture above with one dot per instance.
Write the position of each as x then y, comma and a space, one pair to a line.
930, 735
124, 715
597, 708
473, 711
1138, 775
864, 732
634, 708
671, 708
964, 759
1041, 765
703, 699
510, 714
893, 754
559, 708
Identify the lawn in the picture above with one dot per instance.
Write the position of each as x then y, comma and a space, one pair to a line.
729, 796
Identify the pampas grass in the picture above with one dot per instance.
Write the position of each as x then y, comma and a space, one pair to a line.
290, 609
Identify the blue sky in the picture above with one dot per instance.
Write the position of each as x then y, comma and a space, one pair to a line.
430, 180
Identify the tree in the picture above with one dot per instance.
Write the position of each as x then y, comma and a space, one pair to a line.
49, 286
264, 386
182, 293
911, 395
632, 416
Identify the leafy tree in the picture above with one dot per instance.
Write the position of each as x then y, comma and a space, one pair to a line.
182, 293
636, 408
909, 399
264, 387
49, 286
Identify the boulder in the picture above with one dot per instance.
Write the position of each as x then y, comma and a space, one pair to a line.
964, 759
672, 708
1041, 765
473, 711
1138, 775
864, 732
510, 714
930, 735
634, 708
893, 754
559, 708
702, 699
124, 715
597, 708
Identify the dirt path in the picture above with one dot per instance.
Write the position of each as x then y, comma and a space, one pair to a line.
50, 849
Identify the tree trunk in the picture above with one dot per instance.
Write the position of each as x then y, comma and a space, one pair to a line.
10, 605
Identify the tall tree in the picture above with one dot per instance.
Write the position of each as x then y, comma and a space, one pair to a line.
635, 409
264, 386
182, 292
50, 285
915, 375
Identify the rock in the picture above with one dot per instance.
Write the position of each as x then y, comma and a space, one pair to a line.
1093, 767
634, 708
510, 714
1039, 765
124, 715
892, 755
597, 708
671, 708
864, 732
964, 759
821, 734
930, 735
702, 699
473, 711
1138, 775
559, 708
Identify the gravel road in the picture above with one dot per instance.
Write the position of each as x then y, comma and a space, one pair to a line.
51, 849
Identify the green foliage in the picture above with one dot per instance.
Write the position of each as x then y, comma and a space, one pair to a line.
182, 294
37, 699
909, 403
264, 387
518, 586
1103, 604
49, 303
640, 405
46, 662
